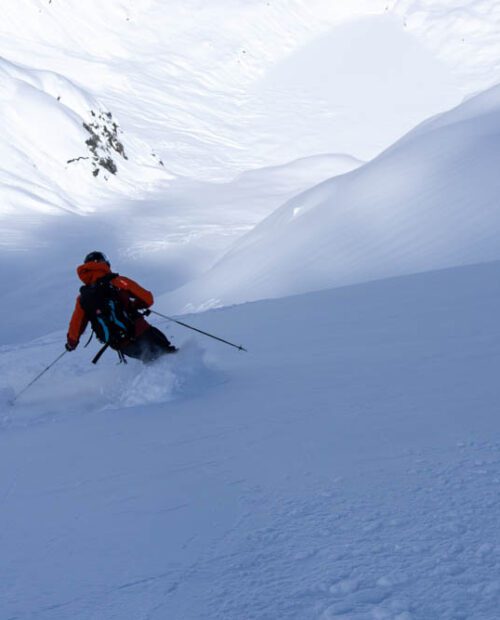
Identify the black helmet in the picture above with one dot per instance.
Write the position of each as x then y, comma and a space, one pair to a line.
97, 257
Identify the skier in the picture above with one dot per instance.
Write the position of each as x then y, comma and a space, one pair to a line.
111, 303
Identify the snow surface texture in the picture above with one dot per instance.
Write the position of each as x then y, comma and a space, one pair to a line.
346, 468
207, 92
430, 201
194, 79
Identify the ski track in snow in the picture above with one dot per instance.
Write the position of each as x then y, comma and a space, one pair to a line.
84, 387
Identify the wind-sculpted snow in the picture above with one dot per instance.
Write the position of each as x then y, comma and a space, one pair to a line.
175, 77
463, 34
295, 173
430, 201
214, 90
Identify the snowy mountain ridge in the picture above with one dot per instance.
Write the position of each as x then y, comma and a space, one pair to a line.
346, 466
210, 93
196, 75
429, 201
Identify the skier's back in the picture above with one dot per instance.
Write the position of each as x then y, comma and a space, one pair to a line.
111, 303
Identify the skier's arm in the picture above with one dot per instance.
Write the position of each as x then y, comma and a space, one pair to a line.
77, 325
143, 298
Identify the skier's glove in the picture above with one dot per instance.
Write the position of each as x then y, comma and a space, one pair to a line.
71, 345
146, 312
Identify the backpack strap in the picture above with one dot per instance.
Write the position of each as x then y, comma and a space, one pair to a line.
114, 326
99, 353
121, 356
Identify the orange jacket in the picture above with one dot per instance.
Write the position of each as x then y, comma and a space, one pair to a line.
135, 297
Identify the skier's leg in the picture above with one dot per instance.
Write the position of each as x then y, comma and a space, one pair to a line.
161, 341
149, 346
134, 349
157, 344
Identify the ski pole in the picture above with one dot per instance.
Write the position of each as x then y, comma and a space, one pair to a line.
239, 347
37, 377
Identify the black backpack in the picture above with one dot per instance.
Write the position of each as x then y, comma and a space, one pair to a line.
110, 321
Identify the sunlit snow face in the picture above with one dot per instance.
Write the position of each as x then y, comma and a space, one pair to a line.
203, 92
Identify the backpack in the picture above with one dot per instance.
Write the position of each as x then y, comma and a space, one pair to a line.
103, 306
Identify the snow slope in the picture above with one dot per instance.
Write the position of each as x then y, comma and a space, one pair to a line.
49, 159
212, 92
463, 34
162, 240
430, 201
192, 81
346, 468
